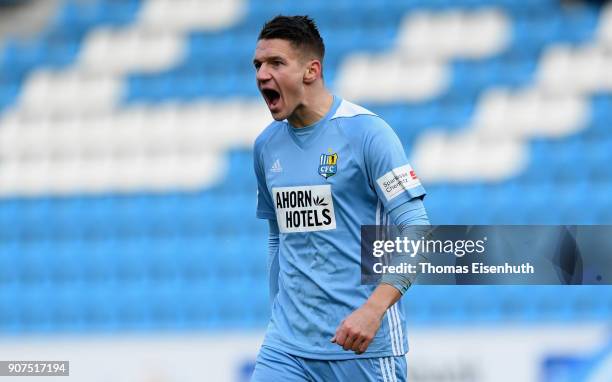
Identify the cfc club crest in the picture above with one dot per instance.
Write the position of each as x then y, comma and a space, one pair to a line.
328, 165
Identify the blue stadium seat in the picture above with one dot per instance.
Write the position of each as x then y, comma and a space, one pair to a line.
33, 307
589, 302
579, 24
68, 314
35, 261
200, 304
66, 265
100, 262
141, 258
8, 93
9, 262
163, 304
9, 299
101, 305
10, 222
601, 112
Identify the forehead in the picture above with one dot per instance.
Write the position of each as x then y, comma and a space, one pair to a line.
274, 48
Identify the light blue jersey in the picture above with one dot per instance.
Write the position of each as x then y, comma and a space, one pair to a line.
322, 183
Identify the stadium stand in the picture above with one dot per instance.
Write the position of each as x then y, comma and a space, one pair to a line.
127, 191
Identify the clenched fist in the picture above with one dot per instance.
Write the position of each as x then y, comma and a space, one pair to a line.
358, 329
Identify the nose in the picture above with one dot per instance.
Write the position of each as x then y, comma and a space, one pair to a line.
262, 73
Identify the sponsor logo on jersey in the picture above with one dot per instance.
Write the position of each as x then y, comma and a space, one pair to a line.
398, 180
304, 208
328, 165
276, 166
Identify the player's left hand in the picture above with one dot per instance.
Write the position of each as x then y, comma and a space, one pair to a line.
358, 329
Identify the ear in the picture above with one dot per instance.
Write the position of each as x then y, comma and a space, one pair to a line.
313, 71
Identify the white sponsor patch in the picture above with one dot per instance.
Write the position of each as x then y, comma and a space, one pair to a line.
304, 208
398, 180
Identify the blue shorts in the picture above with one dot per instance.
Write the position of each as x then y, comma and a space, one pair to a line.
274, 365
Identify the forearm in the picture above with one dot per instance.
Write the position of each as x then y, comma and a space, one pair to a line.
273, 244
360, 327
412, 222
383, 297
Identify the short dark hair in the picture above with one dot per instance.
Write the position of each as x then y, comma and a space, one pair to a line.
300, 31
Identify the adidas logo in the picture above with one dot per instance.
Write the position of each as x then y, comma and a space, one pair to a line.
276, 167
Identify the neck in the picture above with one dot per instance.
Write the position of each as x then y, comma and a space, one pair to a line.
313, 109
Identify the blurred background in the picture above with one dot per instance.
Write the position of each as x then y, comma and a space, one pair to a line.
128, 242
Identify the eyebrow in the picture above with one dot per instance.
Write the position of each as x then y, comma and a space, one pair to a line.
271, 58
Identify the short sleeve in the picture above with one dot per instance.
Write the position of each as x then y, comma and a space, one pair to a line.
265, 209
394, 180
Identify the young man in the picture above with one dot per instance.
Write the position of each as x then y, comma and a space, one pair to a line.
325, 167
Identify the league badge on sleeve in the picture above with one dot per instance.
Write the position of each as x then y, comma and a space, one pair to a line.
328, 164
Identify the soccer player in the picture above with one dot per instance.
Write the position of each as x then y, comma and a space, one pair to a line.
324, 168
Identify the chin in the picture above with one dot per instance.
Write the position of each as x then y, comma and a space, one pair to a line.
279, 116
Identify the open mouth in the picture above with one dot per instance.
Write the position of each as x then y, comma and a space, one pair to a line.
272, 96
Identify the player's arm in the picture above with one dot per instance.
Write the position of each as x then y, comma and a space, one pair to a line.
411, 221
357, 330
265, 210
273, 269
401, 193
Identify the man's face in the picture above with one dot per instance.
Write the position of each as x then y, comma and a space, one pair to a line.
280, 74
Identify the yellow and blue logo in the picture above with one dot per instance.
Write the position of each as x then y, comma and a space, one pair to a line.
328, 164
